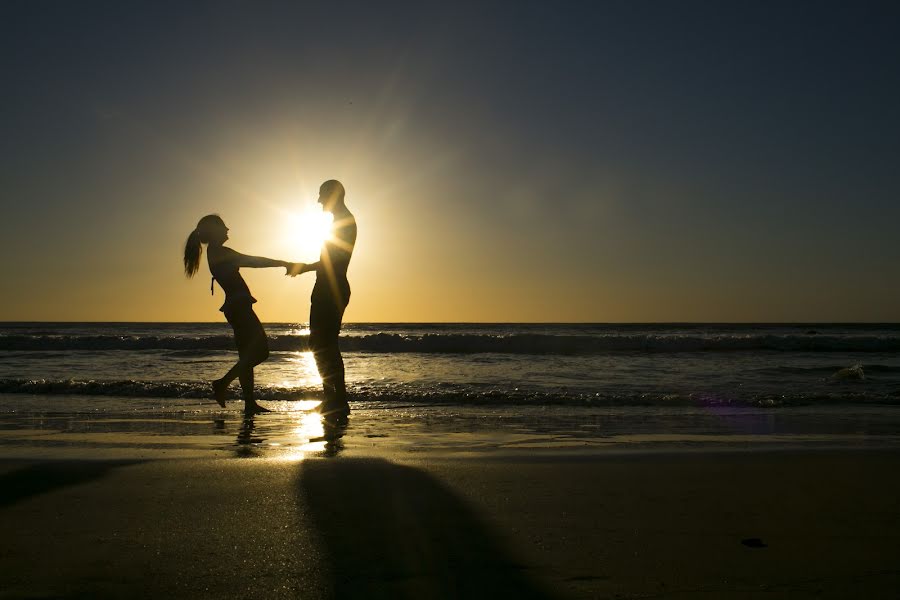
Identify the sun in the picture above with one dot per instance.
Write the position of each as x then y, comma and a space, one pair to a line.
306, 231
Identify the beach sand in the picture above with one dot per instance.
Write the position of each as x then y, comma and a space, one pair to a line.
101, 511
724, 525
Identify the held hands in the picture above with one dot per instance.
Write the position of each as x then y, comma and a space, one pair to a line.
294, 269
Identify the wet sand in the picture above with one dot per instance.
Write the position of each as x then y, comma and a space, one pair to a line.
764, 524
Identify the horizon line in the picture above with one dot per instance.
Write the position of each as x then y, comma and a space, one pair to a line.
2, 322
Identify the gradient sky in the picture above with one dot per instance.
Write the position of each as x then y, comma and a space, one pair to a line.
509, 161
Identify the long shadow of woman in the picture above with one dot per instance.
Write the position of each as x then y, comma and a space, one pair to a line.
391, 531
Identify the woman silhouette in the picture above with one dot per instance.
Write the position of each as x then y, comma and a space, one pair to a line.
224, 265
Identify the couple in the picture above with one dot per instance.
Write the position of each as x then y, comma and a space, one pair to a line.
329, 299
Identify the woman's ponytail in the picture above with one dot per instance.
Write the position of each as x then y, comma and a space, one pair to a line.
192, 251
210, 229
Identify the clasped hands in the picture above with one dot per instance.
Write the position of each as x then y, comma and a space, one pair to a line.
294, 269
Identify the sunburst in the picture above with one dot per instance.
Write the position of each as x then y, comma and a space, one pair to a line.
306, 231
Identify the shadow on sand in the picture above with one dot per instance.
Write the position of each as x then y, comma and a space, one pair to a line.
41, 478
391, 531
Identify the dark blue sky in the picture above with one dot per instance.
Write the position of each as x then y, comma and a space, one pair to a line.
569, 161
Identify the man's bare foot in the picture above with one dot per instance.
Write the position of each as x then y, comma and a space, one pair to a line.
252, 409
339, 418
220, 392
334, 409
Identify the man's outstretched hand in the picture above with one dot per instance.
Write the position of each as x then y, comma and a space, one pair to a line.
294, 269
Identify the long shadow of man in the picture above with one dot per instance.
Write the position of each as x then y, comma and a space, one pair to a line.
390, 531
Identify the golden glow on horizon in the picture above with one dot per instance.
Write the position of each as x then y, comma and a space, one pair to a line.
304, 232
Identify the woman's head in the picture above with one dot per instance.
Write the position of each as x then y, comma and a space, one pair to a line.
210, 229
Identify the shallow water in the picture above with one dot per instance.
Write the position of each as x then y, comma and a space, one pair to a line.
149, 428
484, 365
132, 389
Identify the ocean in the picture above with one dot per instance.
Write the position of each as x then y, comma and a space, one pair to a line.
585, 382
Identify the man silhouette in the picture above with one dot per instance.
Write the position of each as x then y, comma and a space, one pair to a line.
330, 297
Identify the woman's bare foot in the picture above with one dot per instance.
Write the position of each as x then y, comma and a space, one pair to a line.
220, 391
252, 409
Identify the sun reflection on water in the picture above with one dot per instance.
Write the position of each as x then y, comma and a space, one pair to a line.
304, 365
308, 435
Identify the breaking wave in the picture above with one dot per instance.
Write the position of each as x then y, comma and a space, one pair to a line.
475, 343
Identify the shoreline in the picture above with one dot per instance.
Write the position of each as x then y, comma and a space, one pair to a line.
296, 431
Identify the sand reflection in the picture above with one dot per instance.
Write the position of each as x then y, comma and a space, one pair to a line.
288, 436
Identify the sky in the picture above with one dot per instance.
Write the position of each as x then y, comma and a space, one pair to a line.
639, 161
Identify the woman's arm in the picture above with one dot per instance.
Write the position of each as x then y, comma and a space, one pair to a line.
260, 262
256, 262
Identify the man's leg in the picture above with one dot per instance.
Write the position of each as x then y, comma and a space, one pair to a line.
324, 330
331, 367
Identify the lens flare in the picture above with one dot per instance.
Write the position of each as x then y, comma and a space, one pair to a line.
306, 231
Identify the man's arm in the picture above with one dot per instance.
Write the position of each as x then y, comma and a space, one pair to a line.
300, 268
